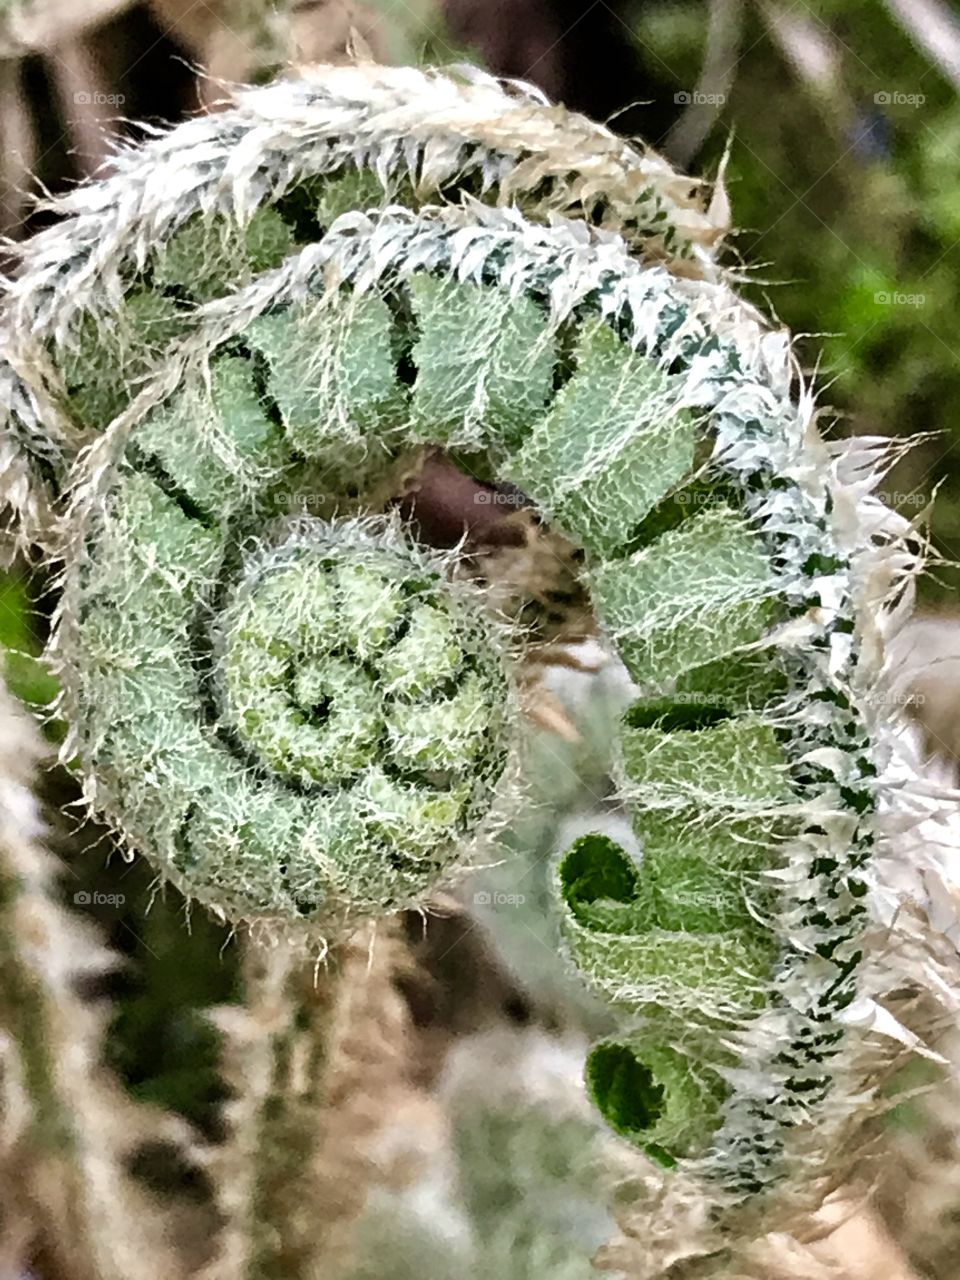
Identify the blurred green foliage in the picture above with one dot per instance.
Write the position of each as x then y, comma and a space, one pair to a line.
415, 33
25, 675
844, 178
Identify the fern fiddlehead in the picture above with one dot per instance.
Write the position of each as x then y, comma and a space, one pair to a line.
308, 714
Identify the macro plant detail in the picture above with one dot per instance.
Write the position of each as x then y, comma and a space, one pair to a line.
355, 710
222, 368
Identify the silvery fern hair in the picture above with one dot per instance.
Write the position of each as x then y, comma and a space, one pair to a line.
217, 366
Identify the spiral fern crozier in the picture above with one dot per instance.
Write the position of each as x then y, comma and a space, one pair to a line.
220, 366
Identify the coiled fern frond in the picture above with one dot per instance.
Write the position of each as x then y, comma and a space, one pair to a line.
219, 367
